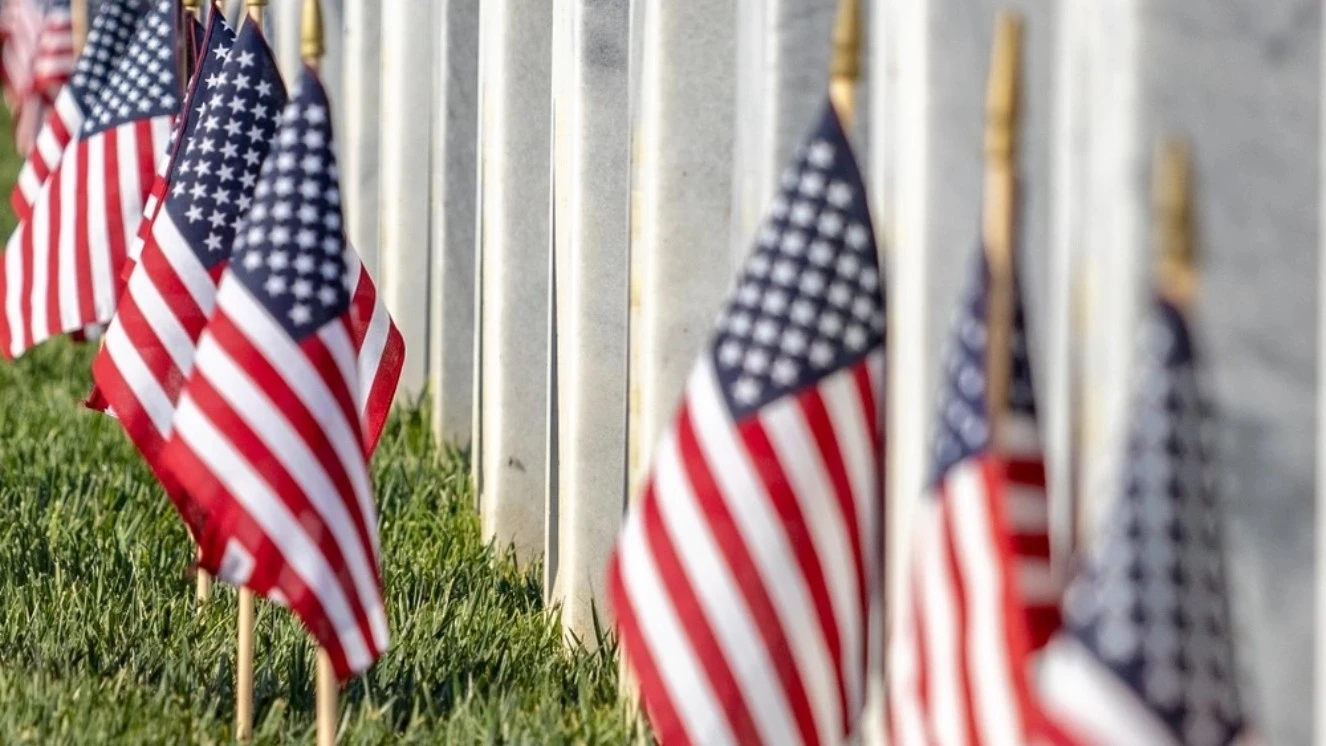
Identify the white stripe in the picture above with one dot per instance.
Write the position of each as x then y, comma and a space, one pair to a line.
1036, 582
131, 212
853, 431
707, 575
375, 337
98, 221
251, 493
903, 685
158, 314
1087, 698
767, 543
285, 356
342, 350
988, 664
71, 182
14, 271
947, 713
1026, 509
145, 387
175, 249
251, 403
41, 265
669, 648
809, 479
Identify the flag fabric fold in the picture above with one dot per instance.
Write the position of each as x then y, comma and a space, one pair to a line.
1146, 656
743, 578
976, 600
61, 269
270, 437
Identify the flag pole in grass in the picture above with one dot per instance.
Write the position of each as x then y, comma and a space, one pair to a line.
1000, 200
244, 641
327, 687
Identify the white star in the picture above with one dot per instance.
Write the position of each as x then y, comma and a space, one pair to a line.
803, 213
821, 154
794, 341
304, 264
256, 235
306, 239
308, 213
213, 242
281, 210
784, 371
328, 295
812, 184
729, 353
857, 236
230, 150
313, 139
227, 173
310, 189
245, 59
300, 314
332, 221
831, 224
248, 180
221, 196
194, 213
242, 83
280, 235
208, 145
285, 185
311, 164
302, 288
285, 161
264, 88
746, 390
316, 114
330, 270
275, 285
821, 354
840, 195
278, 260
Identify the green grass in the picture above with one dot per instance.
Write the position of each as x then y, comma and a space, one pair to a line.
101, 641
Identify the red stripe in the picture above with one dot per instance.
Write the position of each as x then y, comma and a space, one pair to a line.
386, 376
325, 364
227, 520
1026, 471
117, 244
269, 468
305, 423
82, 249
709, 652
821, 429
667, 726
1036, 546
961, 626
25, 290
727, 537
140, 429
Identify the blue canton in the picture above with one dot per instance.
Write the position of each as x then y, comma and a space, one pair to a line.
240, 95
1152, 604
145, 81
962, 429
809, 301
290, 247
108, 36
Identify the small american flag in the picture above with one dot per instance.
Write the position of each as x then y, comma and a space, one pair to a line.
270, 437
743, 578
1146, 655
62, 267
228, 128
110, 32
38, 58
977, 598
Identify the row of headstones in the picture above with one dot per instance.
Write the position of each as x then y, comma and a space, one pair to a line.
554, 195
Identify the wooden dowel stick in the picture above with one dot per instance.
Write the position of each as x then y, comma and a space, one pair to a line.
79, 19
244, 669
327, 692
845, 67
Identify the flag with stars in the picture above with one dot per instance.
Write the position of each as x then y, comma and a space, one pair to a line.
1146, 654
35, 61
224, 136
275, 424
61, 270
978, 598
743, 578
108, 36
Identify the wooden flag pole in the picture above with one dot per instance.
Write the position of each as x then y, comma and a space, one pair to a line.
79, 19
312, 49
255, 10
998, 225
845, 67
244, 669
1171, 194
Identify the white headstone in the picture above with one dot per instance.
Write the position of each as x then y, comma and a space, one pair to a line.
359, 135
455, 135
403, 262
681, 256
285, 20
515, 55
592, 240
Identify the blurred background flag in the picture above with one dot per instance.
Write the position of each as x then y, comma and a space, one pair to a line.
62, 269
275, 425
742, 579
110, 32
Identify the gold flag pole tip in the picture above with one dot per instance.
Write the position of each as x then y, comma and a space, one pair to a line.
845, 65
1176, 274
311, 41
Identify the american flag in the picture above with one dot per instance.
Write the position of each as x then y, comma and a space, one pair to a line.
743, 578
62, 267
38, 58
227, 131
978, 598
270, 436
109, 35
1146, 655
